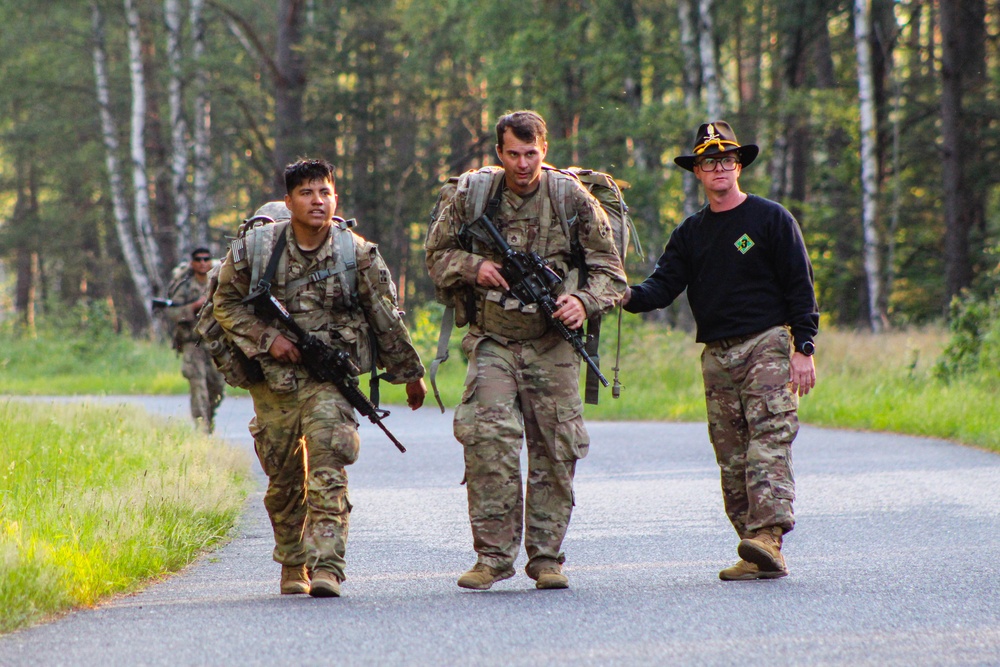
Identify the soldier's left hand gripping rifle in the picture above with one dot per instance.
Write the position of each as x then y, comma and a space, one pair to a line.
323, 362
531, 280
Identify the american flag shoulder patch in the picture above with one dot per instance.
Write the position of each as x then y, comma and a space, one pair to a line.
239, 250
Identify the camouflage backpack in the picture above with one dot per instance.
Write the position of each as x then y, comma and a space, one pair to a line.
479, 184
257, 241
179, 275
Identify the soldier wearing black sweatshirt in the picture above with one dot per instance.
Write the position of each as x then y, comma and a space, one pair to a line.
750, 285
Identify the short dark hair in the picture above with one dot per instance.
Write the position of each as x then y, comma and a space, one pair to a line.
200, 251
306, 171
526, 126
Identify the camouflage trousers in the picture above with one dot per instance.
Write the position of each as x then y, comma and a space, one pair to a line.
752, 421
520, 392
208, 387
304, 439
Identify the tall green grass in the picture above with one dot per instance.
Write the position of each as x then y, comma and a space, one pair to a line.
883, 382
887, 383
79, 353
94, 501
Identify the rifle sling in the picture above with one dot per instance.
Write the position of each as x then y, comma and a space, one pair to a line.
447, 323
591, 393
272, 263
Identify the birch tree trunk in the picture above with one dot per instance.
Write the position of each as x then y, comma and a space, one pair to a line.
679, 314
692, 90
709, 67
178, 129
143, 224
202, 126
130, 252
866, 97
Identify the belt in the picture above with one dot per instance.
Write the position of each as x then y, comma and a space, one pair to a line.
732, 341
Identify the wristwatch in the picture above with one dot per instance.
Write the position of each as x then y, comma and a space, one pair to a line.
807, 348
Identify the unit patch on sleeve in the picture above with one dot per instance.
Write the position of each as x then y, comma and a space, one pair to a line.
743, 244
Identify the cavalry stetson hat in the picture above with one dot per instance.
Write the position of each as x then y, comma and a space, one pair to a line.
717, 137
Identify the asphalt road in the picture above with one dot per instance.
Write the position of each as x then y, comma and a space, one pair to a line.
895, 561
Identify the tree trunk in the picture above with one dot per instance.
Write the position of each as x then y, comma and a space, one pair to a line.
869, 162
140, 183
632, 84
709, 65
962, 69
202, 126
692, 93
289, 89
25, 221
178, 130
130, 252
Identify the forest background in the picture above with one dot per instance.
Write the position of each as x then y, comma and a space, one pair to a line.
134, 130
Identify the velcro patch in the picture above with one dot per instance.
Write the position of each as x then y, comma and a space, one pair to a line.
383, 276
239, 249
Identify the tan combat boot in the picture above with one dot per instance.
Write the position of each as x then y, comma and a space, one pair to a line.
744, 571
324, 585
482, 576
764, 550
551, 577
294, 580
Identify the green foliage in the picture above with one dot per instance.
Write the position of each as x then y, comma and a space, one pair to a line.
400, 94
974, 323
96, 501
79, 352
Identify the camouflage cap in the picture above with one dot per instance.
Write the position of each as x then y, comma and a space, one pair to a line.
275, 210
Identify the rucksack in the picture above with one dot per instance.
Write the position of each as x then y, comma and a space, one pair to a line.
480, 183
260, 240
179, 275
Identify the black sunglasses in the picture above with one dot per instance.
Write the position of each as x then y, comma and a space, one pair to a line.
206, 258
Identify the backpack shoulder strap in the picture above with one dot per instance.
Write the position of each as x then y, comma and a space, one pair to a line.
560, 182
479, 185
345, 268
347, 258
274, 259
259, 244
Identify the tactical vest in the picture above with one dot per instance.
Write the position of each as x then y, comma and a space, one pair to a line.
463, 305
256, 247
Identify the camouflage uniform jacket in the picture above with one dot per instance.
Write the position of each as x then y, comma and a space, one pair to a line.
184, 316
321, 308
529, 224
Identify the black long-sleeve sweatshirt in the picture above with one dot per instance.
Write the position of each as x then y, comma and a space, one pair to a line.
745, 270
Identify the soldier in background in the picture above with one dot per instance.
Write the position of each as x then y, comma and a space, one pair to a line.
305, 432
188, 292
523, 377
750, 285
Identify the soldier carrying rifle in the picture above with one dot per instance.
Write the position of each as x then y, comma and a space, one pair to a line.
305, 430
523, 379
186, 294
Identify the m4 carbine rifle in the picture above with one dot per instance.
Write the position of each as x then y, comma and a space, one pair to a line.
531, 280
323, 362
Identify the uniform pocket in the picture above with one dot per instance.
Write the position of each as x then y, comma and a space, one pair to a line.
569, 439
280, 377
781, 401
466, 415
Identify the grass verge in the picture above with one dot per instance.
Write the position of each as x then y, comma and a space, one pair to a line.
93, 502
869, 382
